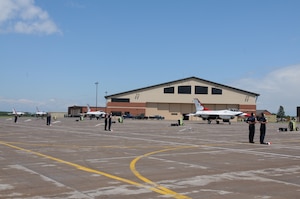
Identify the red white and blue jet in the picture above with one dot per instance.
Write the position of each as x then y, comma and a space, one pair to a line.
206, 114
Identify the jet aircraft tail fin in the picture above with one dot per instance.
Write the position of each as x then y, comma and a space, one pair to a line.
199, 106
88, 108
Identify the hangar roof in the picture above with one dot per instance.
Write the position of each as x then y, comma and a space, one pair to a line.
183, 80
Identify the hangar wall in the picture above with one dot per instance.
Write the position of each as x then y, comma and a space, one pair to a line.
173, 99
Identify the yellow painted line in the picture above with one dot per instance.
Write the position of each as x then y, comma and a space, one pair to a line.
164, 189
82, 168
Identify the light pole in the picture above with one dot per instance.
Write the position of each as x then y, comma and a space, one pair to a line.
105, 102
96, 93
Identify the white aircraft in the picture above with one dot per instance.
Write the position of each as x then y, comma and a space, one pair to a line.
14, 112
96, 114
206, 114
40, 113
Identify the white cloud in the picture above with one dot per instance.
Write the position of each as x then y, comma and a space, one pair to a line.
28, 105
277, 88
7, 104
23, 16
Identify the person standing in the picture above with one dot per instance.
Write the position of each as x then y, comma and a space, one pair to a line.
109, 121
105, 121
16, 118
251, 121
49, 119
262, 120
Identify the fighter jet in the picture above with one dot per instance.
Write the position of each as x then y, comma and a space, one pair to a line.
206, 114
96, 114
18, 113
40, 113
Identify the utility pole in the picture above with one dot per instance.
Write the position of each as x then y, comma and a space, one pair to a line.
96, 94
105, 102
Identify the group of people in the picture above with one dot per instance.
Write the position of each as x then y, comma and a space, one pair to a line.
48, 121
107, 122
252, 121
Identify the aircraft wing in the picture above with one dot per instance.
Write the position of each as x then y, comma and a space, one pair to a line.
209, 116
226, 117
191, 114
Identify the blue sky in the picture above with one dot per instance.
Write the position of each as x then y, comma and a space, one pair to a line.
53, 52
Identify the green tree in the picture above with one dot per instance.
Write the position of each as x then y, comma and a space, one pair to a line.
281, 113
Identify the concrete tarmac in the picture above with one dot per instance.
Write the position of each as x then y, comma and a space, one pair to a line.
145, 159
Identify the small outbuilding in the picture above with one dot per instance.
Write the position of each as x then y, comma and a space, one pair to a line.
270, 117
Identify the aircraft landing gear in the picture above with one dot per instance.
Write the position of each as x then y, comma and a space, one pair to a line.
226, 120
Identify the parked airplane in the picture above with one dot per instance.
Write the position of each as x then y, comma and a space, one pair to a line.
18, 113
206, 114
96, 114
40, 113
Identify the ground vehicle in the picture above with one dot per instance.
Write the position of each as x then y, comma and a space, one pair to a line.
128, 116
157, 117
141, 117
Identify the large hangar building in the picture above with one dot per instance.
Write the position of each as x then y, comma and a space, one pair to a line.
174, 99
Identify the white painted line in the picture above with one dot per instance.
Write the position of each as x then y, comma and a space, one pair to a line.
48, 179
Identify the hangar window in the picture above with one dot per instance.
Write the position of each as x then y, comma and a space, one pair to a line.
169, 90
216, 91
120, 100
201, 90
184, 90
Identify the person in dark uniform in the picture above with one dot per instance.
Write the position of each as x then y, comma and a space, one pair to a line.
49, 119
109, 122
105, 121
251, 121
16, 118
262, 120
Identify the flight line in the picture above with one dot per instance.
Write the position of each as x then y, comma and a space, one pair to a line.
151, 185
146, 159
